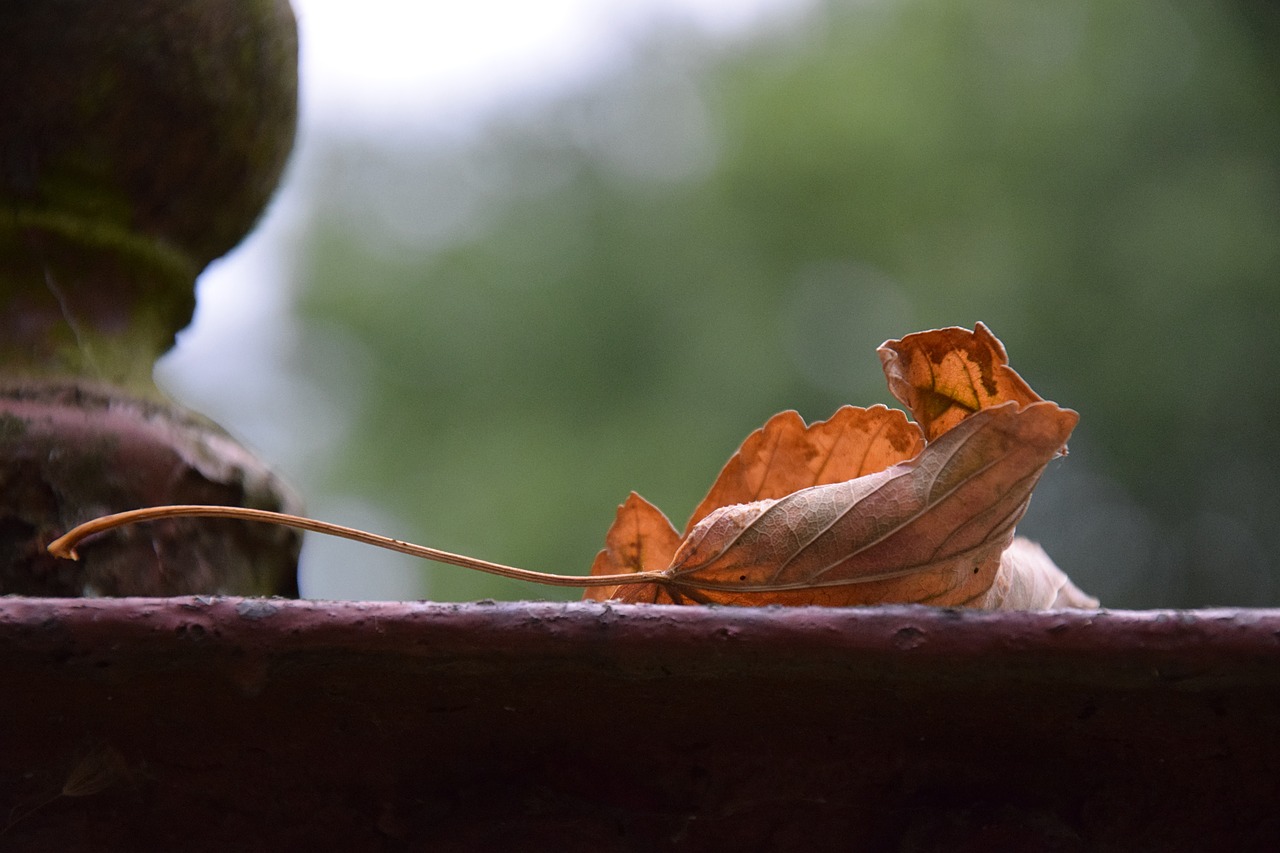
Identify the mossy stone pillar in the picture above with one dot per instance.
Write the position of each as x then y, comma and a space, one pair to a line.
139, 140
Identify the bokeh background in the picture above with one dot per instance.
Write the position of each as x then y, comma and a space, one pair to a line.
490, 303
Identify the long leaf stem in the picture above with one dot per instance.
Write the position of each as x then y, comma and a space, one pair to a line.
65, 546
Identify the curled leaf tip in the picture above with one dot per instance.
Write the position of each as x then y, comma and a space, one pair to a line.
945, 375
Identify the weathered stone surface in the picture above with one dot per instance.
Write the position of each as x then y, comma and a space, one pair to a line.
138, 141
274, 724
69, 453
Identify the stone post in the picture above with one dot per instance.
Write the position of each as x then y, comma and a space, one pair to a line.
139, 140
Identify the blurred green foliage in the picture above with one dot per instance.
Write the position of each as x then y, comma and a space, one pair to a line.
611, 291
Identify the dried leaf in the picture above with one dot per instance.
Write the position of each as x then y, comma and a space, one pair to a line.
1029, 580
784, 455
860, 510
945, 375
641, 539
928, 531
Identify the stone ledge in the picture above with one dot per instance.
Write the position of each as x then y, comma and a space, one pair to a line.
274, 723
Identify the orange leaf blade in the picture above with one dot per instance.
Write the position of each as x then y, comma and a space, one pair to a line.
784, 455
640, 539
945, 375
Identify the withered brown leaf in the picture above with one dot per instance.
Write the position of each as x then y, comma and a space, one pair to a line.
858, 510
780, 458
928, 531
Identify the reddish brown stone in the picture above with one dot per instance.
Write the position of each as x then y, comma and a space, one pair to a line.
263, 724
70, 452
138, 141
